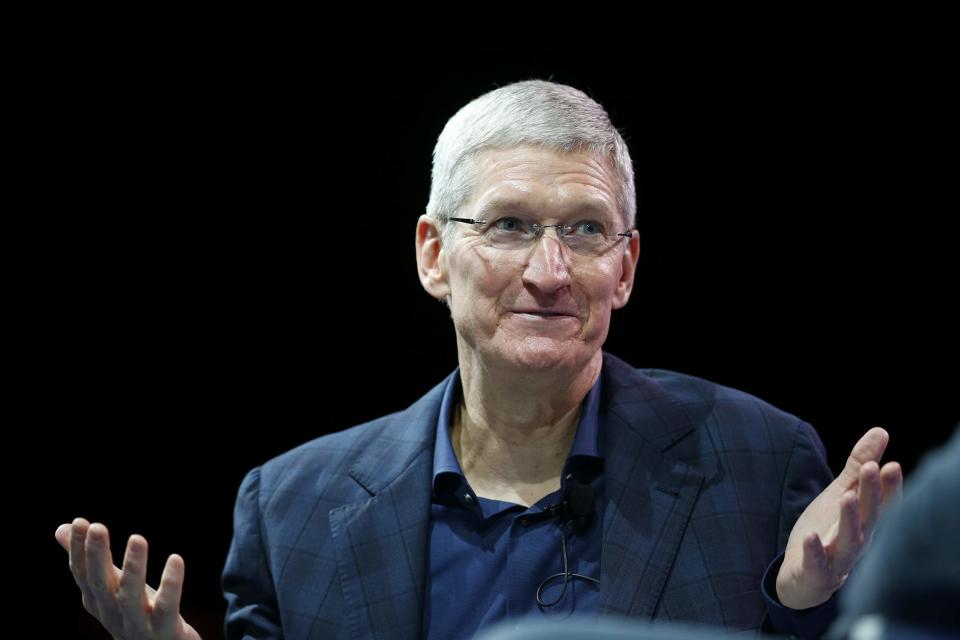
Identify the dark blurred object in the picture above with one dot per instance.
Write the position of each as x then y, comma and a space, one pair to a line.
609, 629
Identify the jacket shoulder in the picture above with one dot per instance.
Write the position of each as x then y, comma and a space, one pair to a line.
738, 419
371, 452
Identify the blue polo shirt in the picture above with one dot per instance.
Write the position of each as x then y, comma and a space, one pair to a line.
488, 557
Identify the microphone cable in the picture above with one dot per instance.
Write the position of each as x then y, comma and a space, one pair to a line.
577, 509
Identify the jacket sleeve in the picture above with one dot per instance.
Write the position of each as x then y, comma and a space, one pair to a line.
247, 583
807, 474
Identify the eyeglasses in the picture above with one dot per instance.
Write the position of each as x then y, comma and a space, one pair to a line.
586, 237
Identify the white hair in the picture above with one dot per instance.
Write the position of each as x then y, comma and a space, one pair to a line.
532, 112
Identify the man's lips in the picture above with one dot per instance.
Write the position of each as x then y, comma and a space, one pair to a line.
545, 313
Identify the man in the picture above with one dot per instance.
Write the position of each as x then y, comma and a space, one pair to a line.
543, 477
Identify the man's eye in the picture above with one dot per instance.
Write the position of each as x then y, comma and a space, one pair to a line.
589, 228
508, 224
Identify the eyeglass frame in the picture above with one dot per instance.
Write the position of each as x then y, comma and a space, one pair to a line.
538, 229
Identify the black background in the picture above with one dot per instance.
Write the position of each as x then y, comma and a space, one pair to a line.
218, 251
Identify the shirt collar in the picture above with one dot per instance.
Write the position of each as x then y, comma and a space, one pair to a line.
586, 441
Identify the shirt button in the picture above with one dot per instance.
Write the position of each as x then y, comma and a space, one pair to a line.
468, 498
523, 522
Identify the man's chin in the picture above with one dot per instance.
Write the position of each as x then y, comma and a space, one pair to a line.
537, 353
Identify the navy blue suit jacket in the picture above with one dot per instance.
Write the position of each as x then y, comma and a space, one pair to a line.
702, 484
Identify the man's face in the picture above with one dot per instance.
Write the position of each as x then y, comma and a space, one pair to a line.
544, 306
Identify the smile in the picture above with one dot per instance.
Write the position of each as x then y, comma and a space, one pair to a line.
542, 315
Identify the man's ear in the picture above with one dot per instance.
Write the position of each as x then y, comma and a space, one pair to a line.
630, 256
433, 275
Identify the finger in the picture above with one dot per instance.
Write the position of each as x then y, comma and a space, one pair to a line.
891, 482
78, 551
849, 535
131, 596
814, 555
869, 493
100, 570
62, 536
166, 606
869, 447
78, 563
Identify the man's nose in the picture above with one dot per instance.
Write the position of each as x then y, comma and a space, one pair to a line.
546, 267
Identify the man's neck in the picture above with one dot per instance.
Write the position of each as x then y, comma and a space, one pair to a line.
512, 445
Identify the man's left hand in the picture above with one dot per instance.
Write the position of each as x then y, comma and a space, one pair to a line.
836, 528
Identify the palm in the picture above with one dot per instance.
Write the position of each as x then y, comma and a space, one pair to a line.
835, 529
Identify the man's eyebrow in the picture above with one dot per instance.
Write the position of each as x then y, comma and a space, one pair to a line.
501, 205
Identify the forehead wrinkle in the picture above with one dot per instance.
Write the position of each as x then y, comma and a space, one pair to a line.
592, 207
588, 165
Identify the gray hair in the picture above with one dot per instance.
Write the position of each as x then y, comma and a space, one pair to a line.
532, 112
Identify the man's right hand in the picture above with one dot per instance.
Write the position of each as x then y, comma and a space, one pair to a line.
120, 598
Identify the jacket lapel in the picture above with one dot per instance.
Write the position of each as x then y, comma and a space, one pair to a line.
381, 542
649, 496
